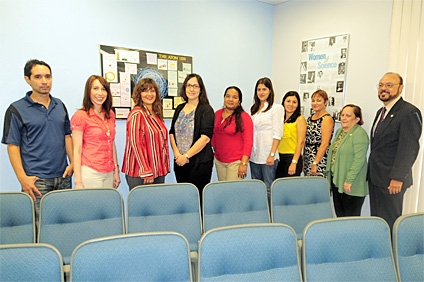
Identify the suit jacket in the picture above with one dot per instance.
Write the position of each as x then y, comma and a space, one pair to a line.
204, 121
350, 164
395, 146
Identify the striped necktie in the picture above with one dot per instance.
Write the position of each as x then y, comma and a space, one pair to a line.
383, 112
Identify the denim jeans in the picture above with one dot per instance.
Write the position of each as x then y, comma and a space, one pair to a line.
45, 185
264, 172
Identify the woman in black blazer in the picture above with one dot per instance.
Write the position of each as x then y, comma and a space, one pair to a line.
190, 134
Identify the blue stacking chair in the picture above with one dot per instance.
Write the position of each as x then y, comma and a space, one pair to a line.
17, 223
296, 201
250, 252
348, 249
30, 262
70, 217
408, 247
234, 202
166, 207
156, 256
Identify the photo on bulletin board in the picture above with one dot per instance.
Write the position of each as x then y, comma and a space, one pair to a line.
123, 68
323, 65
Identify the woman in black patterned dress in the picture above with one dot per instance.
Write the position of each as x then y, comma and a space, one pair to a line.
319, 129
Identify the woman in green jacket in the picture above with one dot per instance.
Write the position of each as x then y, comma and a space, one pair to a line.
347, 163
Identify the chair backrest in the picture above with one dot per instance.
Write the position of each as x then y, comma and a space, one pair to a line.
251, 252
30, 262
296, 201
70, 217
348, 249
165, 207
234, 202
408, 246
159, 256
17, 223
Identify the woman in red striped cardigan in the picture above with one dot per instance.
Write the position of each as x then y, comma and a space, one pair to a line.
146, 158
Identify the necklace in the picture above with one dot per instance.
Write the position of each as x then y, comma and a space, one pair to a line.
103, 124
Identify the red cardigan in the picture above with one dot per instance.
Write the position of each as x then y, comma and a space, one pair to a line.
146, 149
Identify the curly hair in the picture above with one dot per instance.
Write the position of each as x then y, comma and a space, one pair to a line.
143, 85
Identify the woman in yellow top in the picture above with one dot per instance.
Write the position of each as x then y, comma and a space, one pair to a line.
291, 145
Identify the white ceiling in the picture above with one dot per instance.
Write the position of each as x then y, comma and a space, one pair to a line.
273, 2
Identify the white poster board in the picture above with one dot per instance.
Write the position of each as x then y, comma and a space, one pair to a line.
323, 65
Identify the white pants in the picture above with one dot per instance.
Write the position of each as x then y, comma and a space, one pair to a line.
94, 179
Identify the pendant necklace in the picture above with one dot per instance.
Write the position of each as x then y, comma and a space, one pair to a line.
102, 123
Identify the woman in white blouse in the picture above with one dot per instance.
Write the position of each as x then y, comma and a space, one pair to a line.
268, 120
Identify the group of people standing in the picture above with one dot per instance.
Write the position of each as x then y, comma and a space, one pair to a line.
271, 138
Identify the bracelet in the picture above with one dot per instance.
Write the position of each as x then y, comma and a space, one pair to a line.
243, 163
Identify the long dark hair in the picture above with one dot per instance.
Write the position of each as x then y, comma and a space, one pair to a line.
143, 85
296, 113
87, 104
237, 112
203, 97
255, 107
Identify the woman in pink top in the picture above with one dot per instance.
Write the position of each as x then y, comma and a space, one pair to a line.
232, 137
93, 134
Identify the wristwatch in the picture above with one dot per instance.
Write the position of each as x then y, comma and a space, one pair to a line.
314, 163
294, 161
243, 163
272, 154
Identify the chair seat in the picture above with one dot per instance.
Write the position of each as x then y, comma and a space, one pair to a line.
276, 274
154, 256
362, 270
236, 218
17, 222
172, 222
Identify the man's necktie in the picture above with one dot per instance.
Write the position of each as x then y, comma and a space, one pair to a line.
383, 112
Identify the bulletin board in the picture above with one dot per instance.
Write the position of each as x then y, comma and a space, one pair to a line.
124, 67
323, 65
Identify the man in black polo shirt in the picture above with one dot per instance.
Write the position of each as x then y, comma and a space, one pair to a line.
38, 136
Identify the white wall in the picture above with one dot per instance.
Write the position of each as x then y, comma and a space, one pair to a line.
230, 41
367, 22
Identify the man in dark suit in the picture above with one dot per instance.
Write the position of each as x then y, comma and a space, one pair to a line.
395, 144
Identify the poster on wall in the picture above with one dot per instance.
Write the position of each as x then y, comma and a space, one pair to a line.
123, 68
323, 65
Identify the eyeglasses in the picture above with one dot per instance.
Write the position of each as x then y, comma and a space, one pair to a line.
194, 86
388, 85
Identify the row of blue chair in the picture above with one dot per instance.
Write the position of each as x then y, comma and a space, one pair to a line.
90, 213
342, 249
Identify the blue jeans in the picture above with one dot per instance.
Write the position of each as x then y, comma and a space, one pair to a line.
45, 185
264, 172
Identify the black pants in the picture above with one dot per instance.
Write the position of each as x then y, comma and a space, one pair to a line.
199, 175
384, 205
284, 163
346, 205
137, 181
